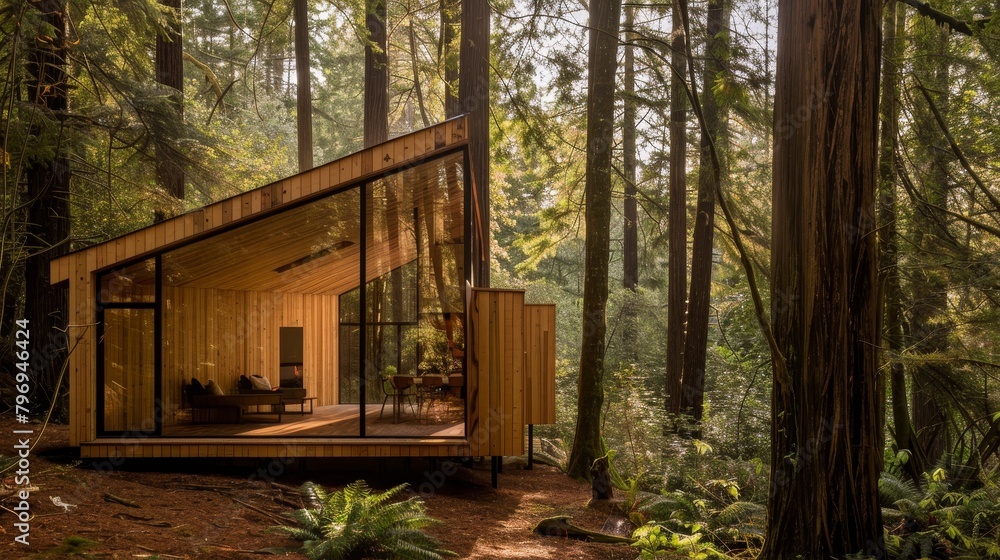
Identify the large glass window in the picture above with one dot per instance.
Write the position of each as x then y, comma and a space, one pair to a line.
415, 301
227, 301
370, 284
129, 390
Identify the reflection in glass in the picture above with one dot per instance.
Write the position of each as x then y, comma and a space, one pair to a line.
129, 389
135, 283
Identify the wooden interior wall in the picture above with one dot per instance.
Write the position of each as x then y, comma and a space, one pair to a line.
222, 334
540, 364
496, 372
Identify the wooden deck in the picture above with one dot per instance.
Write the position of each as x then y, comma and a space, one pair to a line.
334, 421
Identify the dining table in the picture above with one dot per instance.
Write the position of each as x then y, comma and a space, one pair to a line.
453, 381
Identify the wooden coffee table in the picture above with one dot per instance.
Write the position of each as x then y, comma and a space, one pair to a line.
301, 402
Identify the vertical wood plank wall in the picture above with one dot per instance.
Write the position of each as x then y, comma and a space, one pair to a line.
82, 331
222, 334
540, 364
496, 372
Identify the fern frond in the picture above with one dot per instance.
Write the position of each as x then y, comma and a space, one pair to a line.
356, 523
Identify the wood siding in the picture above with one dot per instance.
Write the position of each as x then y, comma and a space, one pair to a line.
540, 364
496, 372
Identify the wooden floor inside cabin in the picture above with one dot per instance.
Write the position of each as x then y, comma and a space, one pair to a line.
332, 421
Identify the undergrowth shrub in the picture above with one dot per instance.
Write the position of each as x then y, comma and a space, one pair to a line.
936, 520
357, 523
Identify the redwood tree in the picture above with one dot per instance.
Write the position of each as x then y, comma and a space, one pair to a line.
303, 90
170, 72
699, 302
376, 75
47, 196
677, 218
604, 21
474, 100
826, 452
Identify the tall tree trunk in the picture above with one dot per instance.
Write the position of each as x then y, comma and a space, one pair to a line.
448, 55
826, 451
303, 91
376, 75
929, 316
48, 182
699, 303
630, 242
416, 76
170, 72
604, 21
677, 216
474, 99
895, 19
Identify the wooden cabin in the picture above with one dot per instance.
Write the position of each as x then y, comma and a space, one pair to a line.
330, 314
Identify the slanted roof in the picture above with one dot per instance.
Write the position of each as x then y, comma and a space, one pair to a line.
281, 196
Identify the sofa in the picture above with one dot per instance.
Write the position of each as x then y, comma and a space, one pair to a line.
210, 404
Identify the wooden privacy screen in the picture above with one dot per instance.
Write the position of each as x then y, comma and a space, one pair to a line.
511, 371
540, 360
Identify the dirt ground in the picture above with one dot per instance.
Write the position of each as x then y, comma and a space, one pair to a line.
220, 510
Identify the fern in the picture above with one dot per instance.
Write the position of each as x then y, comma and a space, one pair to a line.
356, 523
934, 520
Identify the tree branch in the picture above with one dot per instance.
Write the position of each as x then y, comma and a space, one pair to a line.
924, 8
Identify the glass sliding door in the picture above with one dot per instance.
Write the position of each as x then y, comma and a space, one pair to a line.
127, 395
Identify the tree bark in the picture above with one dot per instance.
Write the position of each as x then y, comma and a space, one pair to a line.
170, 72
48, 182
826, 452
303, 91
448, 55
677, 219
700, 300
376, 75
630, 211
604, 22
630, 250
474, 100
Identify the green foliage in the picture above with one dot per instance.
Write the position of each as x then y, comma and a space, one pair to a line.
357, 523
654, 541
936, 520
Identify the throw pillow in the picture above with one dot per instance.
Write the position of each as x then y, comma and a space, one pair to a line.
212, 388
196, 387
260, 383
245, 385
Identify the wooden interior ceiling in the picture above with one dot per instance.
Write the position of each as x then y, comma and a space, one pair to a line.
316, 248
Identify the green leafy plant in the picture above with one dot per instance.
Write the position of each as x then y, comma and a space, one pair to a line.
935, 520
655, 541
356, 523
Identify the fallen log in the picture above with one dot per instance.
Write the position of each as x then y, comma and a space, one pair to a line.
560, 526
